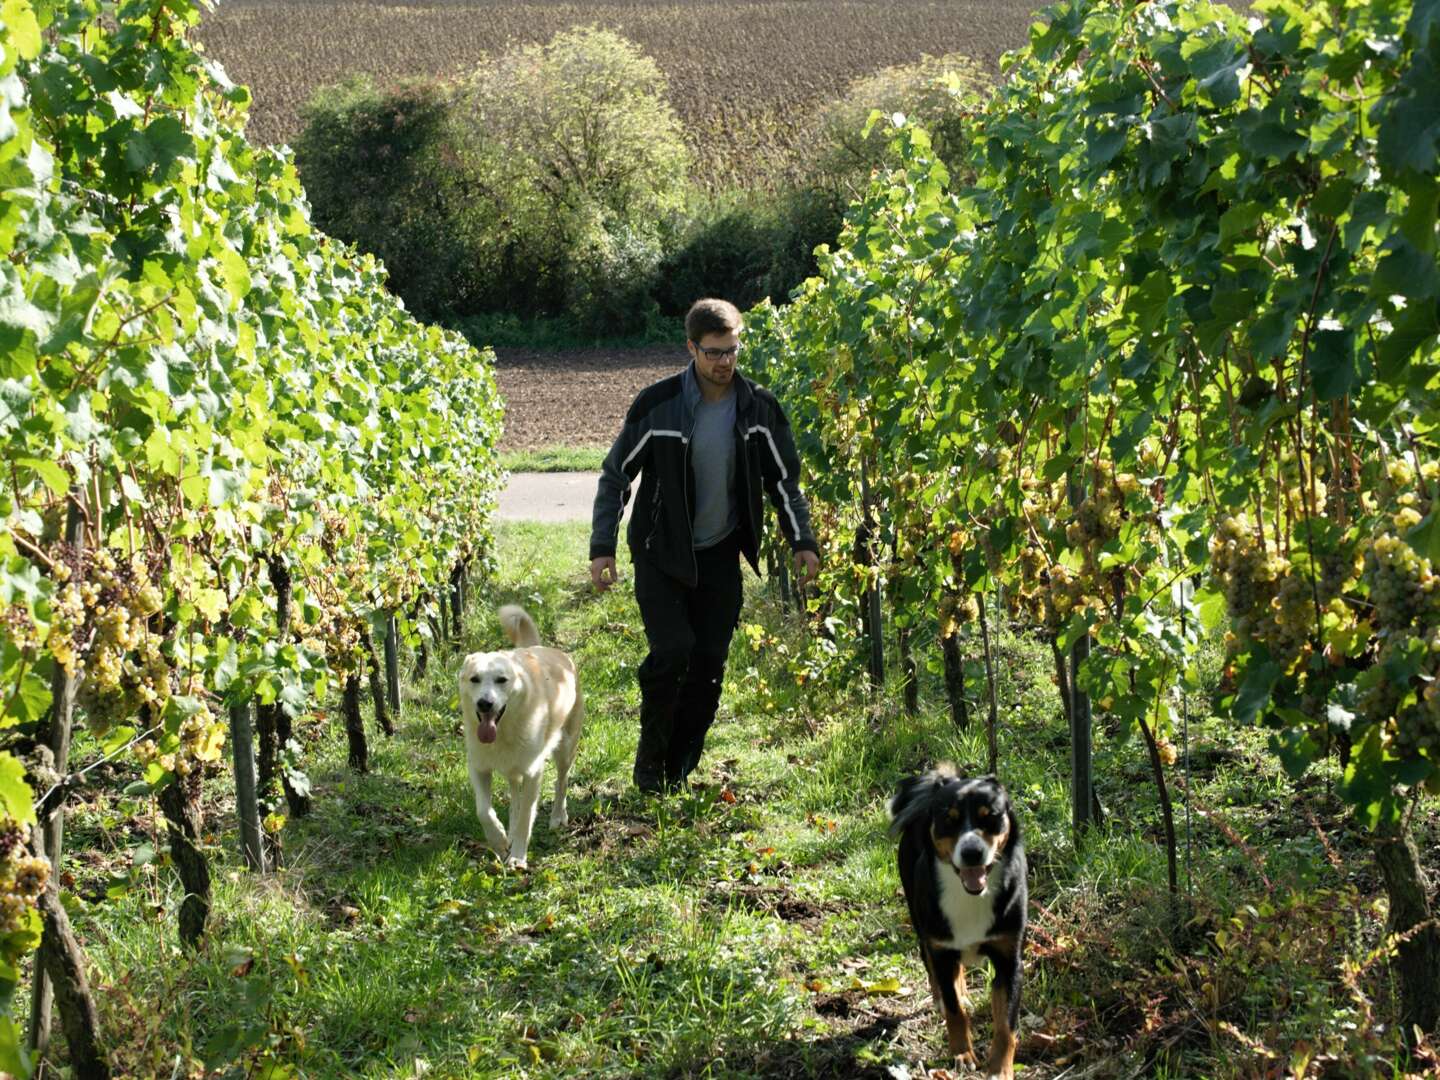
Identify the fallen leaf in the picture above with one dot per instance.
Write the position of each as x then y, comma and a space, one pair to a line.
727, 796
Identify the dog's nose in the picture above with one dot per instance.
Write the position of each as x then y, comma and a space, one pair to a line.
972, 851
484, 704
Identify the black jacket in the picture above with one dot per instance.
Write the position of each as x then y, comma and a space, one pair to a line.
656, 441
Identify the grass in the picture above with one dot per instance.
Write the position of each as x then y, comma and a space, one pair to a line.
752, 927
554, 459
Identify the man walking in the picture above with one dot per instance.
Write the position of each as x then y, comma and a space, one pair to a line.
708, 442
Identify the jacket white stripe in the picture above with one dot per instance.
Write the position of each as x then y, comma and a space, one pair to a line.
646, 438
784, 475
625, 466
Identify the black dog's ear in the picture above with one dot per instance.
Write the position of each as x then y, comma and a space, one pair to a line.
913, 799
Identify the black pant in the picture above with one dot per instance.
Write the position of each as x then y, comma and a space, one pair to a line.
689, 633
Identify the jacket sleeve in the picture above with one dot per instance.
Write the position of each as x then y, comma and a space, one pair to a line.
781, 471
622, 464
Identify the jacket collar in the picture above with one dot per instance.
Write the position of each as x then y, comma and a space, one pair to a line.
691, 384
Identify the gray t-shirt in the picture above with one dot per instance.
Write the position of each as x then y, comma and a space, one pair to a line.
712, 452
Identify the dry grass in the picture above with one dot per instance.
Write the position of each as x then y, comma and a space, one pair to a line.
746, 78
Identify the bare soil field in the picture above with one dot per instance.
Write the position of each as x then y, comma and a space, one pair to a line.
574, 397
745, 77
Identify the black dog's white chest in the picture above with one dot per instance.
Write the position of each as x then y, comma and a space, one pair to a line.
971, 917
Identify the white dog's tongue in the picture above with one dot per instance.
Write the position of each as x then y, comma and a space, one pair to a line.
972, 877
485, 730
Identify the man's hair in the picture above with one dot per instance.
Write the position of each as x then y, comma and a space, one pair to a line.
712, 317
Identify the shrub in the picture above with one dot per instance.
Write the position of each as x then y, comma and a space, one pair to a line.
935, 92
593, 165
547, 184
386, 171
747, 246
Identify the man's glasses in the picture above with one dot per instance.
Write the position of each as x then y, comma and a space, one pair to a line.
719, 354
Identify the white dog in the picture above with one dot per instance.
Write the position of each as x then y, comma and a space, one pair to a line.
519, 706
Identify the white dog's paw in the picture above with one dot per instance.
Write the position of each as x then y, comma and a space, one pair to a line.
559, 818
514, 862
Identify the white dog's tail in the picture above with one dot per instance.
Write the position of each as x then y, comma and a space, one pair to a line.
519, 627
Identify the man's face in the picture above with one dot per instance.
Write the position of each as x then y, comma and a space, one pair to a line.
715, 356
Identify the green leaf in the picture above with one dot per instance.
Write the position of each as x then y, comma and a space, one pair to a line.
1254, 692
1366, 785
1296, 749
14, 1058
53, 475
1331, 362
17, 801
161, 144
235, 272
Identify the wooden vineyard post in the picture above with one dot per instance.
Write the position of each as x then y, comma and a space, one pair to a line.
375, 676
865, 550
247, 800
392, 662
955, 680
1081, 754
65, 968
359, 755
180, 802
50, 828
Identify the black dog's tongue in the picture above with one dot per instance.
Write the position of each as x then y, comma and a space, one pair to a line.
973, 878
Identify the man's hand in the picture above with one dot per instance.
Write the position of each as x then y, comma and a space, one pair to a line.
807, 567
602, 572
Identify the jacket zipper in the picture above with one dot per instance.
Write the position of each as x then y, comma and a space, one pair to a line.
685, 490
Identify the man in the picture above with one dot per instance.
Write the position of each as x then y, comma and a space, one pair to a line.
708, 442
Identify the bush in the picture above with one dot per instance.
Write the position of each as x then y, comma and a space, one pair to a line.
548, 184
593, 166
748, 246
935, 92
386, 172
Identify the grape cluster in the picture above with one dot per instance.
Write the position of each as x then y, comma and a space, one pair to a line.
1248, 575
22, 878
957, 609
1405, 594
1402, 584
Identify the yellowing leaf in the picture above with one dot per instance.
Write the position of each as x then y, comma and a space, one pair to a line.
211, 743
211, 603
22, 31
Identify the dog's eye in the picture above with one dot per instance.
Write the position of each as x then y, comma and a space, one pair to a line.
475, 678
984, 811
501, 680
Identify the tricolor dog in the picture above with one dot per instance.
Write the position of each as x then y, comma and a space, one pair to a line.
963, 869
520, 707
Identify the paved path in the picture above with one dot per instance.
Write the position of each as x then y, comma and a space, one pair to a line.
563, 496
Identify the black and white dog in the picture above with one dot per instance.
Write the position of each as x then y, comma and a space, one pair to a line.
963, 869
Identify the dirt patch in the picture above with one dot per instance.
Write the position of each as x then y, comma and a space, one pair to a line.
774, 900
575, 397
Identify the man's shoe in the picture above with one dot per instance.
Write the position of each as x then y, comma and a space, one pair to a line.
649, 772
649, 780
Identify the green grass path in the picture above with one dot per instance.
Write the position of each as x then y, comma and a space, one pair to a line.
752, 927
